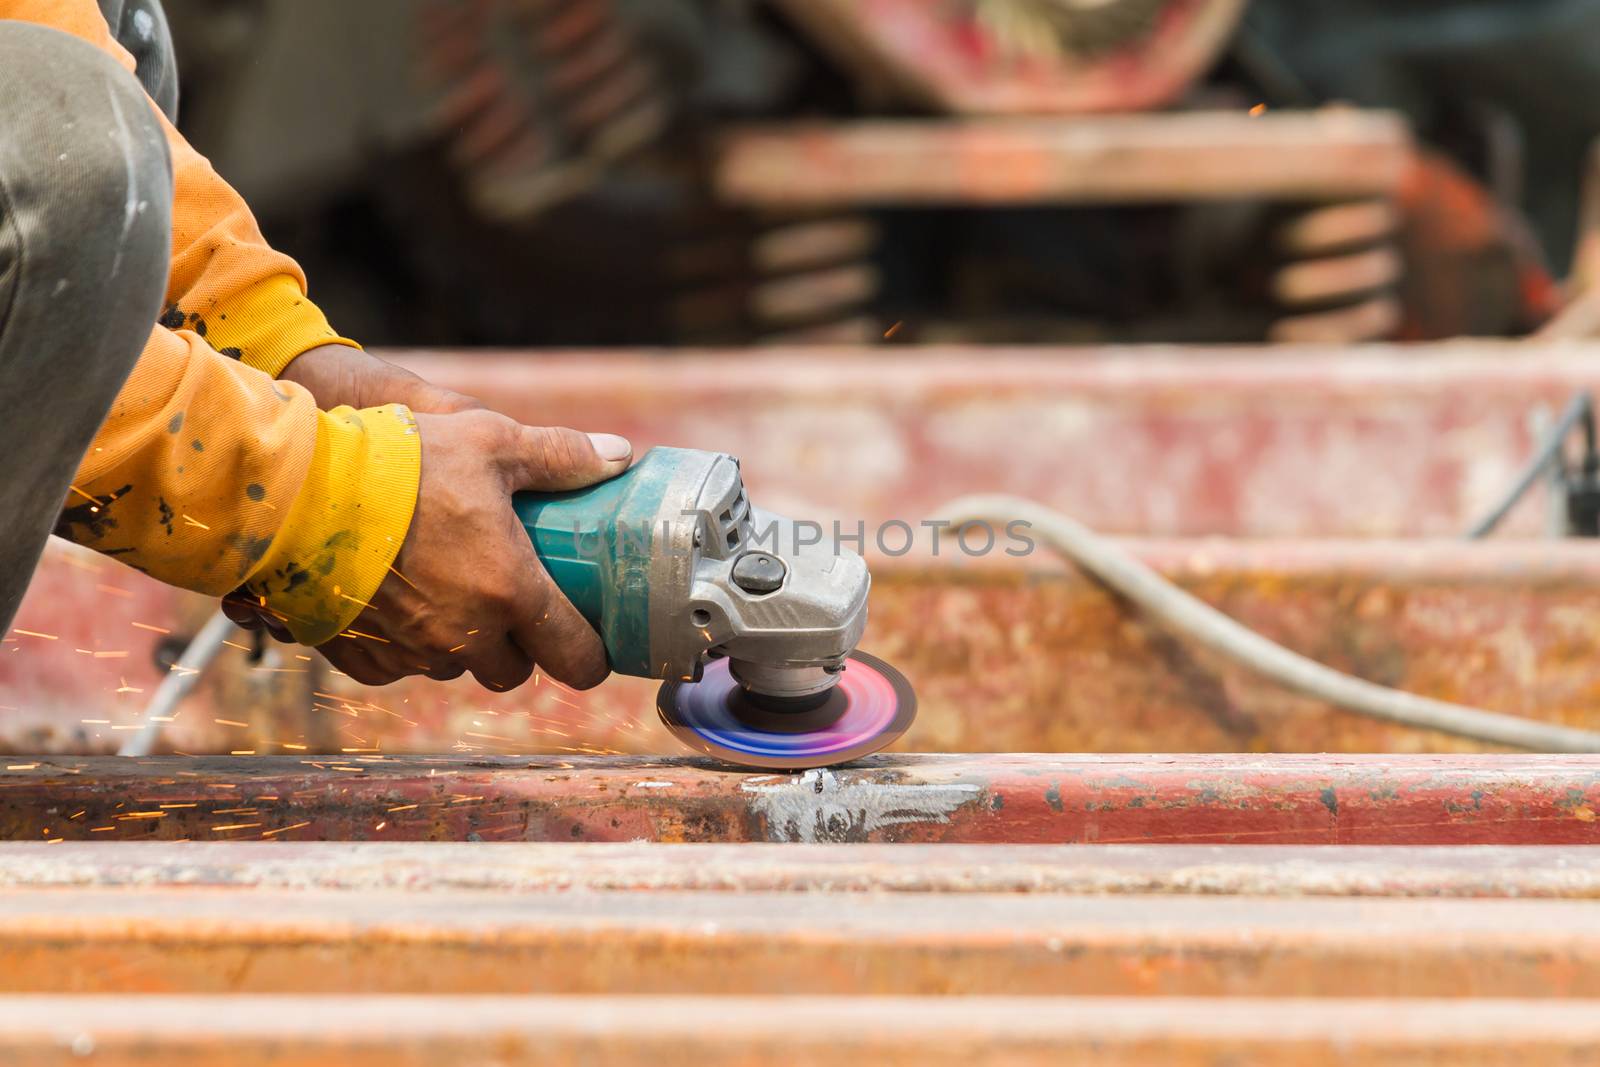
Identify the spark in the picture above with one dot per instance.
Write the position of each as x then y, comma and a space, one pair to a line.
190, 805
81, 493
891, 331
242, 752
231, 722
147, 626
34, 633
195, 522
235, 826
122, 654
95, 722
126, 688
101, 829
370, 637
241, 648
21, 766
396, 572
114, 591
284, 829
402, 807
381, 825
1257, 111
143, 815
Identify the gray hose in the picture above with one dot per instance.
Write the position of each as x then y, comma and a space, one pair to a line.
1186, 615
202, 649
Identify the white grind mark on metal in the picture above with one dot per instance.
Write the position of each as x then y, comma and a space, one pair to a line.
818, 806
654, 785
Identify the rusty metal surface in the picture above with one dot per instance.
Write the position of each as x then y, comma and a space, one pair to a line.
1170, 441
1014, 799
1182, 156
1158, 441
668, 1031
187, 940
1523, 871
1020, 656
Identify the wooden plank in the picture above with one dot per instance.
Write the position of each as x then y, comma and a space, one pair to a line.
188, 940
1122, 159
666, 1031
973, 799
1523, 872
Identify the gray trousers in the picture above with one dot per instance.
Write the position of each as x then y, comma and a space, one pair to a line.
85, 237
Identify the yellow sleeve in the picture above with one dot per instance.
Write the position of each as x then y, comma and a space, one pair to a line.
208, 474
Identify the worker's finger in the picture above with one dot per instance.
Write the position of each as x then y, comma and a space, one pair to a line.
500, 665
241, 614
445, 672
355, 662
554, 458
558, 637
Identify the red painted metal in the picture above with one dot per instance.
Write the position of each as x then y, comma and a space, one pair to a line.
1171, 442
1014, 799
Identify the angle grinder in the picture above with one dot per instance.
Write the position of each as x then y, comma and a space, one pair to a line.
751, 619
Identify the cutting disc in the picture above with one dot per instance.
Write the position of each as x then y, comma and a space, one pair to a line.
869, 708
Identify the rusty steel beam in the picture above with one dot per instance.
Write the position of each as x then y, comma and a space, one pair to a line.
187, 940
668, 1031
1014, 799
1242, 442
1021, 655
1522, 871
1121, 159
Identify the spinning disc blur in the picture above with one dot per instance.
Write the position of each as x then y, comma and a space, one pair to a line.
869, 708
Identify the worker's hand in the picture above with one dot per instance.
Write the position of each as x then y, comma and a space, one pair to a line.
467, 592
339, 374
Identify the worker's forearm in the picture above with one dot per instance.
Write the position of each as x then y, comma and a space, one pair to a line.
209, 475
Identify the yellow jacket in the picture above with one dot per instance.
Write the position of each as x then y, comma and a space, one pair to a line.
208, 474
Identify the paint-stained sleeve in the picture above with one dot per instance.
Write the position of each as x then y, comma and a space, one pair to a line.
207, 473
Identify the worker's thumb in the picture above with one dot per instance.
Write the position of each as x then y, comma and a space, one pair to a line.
554, 458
